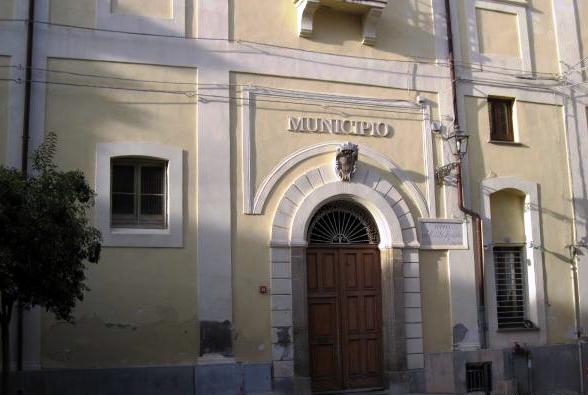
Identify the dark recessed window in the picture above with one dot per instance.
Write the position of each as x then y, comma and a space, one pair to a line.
511, 287
138, 193
501, 124
479, 377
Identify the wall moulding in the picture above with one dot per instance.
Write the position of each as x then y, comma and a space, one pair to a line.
523, 60
398, 246
535, 282
254, 200
370, 9
106, 19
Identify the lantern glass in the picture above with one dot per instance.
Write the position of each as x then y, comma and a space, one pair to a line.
462, 144
459, 147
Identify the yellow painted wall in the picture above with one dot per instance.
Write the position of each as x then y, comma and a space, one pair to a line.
83, 12
498, 33
542, 38
507, 209
250, 237
4, 106
436, 302
151, 8
541, 158
142, 305
6, 8
272, 142
73, 12
405, 29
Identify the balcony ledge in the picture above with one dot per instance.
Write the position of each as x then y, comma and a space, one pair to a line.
370, 9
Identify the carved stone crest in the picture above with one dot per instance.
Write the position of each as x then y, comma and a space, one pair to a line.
345, 160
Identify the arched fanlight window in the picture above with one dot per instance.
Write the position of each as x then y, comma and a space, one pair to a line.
343, 222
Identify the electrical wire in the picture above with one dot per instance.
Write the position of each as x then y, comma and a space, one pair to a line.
476, 66
204, 97
216, 86
267, 91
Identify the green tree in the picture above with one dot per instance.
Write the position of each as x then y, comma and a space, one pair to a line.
45, 241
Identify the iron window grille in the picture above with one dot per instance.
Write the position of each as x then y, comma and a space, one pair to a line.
511, 287
343, 222
501, 119
479, 377
138, 193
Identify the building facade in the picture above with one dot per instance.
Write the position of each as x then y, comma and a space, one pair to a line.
279, 197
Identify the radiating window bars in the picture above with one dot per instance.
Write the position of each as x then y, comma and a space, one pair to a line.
343, 222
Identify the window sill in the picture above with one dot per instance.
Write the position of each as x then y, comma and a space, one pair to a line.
139, 231
509, 330
144, 237
513, 143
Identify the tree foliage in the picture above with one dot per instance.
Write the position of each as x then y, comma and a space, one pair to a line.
46, 239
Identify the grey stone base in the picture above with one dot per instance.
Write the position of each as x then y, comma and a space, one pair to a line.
213, 379
396, 383
553, 369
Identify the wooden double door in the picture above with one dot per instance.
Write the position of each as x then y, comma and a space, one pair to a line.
345, 318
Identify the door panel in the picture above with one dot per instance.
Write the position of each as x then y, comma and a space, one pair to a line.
323, 319
362, 342
345, 318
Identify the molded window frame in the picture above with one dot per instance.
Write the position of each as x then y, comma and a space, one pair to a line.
172, 235
520, 10
534, 258
106, 19
513, 121
139, 219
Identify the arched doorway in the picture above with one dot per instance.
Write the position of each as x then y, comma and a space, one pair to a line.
344, 296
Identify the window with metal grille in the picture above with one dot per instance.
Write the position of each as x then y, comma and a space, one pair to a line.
479, 377
511, 287
138, 193
501, 123
343, 222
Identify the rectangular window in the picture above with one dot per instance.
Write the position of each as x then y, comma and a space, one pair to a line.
511, 287
138, 193
479, 377
501, 123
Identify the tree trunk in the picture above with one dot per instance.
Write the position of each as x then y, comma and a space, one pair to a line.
5, 315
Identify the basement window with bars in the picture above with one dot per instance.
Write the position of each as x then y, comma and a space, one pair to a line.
138, 193
511, 287
479, 377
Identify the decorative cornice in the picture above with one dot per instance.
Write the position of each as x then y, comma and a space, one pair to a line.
371, 9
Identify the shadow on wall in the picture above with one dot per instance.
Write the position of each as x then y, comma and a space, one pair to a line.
138, 297
335, 30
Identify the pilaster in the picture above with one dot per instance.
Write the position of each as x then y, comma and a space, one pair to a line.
576, 123
413, 312
215, 294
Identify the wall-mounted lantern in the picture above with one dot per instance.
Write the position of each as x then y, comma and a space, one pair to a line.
458, 144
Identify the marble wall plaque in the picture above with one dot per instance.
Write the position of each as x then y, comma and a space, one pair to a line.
443, 234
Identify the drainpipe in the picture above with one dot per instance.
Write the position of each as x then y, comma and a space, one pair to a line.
25, 155
574, 250
479, 257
